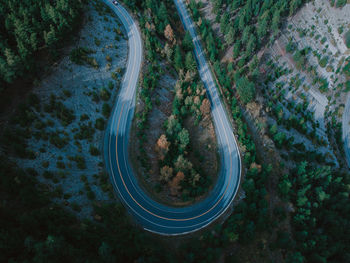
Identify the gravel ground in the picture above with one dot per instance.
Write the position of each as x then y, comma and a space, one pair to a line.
74, 85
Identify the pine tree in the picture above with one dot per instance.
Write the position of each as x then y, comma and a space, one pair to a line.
189, 62
178, 58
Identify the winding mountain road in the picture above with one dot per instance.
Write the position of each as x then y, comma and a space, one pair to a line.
346, 129
151, 215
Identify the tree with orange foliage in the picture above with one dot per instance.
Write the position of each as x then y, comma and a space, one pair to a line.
162, 146
175, 183
205, 107
169, 34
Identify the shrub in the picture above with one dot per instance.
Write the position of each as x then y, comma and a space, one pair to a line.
76, 207
323, 85
31, 171
60, 165
83, 178
95, 97
90, 194
86, 132
45, 164
80, 162
340, 30
84, 117
110, 85
299, 58
347, 86
341, 3
114, 75
346, 69
94, 150
290, 47
80, 55
97, 41
245, 89
67, 196
323, 62
57, 108
347, 39
100, 124
106, 110
58, 192
67, 93
34, 101
48, 175
105, 94
57, 140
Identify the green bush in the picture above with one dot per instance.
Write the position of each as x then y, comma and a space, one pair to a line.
291, 47
57, 108
346, 68
110, 85
347, 86
86, 132
100, 124
105, 94
80, 55
94, 150
83, 178
76, 207
80, 162
245, 89
60, 165
84, 117
114, 75
299, 58
31, 171
347, 39
67, 93
48, 175
106, 109
323, 62
341, 3
90, 195
57, 140
97, 41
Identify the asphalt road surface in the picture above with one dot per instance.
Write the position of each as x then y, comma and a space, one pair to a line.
346, 130
151, 215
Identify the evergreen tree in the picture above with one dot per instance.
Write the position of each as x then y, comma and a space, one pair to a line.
178, 58
187, 42
189, 62
245, 89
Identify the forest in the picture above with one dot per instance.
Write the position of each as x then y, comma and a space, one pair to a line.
36, 229
32, 28
310, 188
303, 214
164, 41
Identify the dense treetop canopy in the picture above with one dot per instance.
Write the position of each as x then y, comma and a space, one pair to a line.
29, 26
